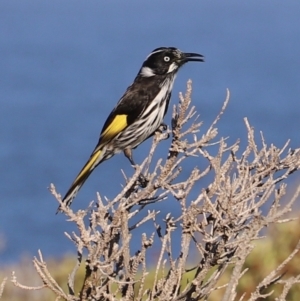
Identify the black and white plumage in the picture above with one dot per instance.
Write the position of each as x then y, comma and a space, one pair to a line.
139, 112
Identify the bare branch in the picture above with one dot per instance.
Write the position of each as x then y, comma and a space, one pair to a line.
214, 229
2, 286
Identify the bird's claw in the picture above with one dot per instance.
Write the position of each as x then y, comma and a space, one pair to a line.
167, 136
163, 127
143, 181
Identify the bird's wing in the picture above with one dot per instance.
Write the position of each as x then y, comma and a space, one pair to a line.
116, 123
126, 112
128, 109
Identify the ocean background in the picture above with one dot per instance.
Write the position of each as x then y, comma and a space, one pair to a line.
65, 64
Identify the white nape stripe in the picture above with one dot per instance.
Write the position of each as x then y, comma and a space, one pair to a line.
147, 72
172, 67
160, 50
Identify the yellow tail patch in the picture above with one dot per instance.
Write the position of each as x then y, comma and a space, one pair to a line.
87, 168
118, 124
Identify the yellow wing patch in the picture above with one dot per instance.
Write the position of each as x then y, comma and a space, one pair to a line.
117, 125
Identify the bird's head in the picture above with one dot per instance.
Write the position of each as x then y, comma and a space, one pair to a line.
166, 60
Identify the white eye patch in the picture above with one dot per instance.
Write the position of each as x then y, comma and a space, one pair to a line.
172, 67
166, 58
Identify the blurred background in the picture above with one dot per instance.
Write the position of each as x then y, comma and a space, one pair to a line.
65, 64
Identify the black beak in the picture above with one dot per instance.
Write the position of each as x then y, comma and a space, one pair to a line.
192, 57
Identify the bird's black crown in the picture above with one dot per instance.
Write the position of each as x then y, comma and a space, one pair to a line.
166, 60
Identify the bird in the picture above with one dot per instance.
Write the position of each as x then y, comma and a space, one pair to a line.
139, 112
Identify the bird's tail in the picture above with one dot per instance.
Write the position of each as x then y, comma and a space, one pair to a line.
93, 161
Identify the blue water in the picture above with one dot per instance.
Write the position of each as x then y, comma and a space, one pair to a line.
64, 65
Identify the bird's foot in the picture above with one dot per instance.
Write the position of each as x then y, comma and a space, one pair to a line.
143, 181
163, 128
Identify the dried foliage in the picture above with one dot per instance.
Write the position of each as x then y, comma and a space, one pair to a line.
2, 286
219, 224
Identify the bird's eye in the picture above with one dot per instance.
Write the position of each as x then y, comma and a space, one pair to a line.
166, 58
